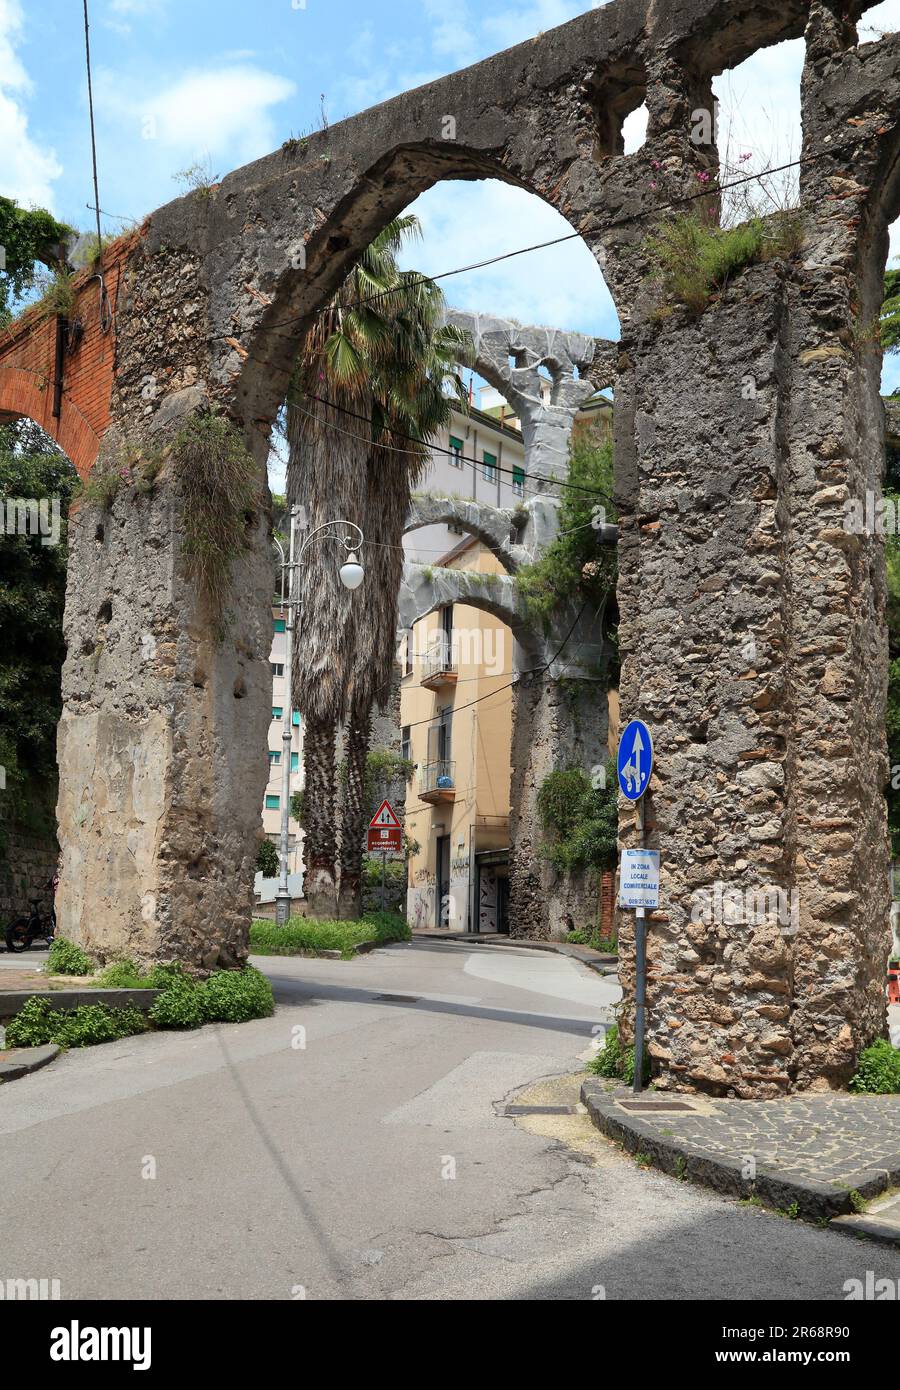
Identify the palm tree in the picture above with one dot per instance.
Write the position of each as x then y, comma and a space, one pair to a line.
381, 352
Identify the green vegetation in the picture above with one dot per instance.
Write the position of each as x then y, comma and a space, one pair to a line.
37, 1024
179, 1005
228, 996
219, 488
607, 944
890, 312
28, 237
695, 257
65, 958
308, 936
614, 1061
267, 861
878, 1070
580, 820
575, 565
57, 293
32, 596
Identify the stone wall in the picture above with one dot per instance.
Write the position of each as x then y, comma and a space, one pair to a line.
28, 860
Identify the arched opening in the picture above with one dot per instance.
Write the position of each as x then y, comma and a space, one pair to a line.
38, 482
487, 511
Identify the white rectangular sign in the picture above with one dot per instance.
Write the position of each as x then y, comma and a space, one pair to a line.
639, 878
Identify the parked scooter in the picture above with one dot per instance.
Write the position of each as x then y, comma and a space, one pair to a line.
38, 924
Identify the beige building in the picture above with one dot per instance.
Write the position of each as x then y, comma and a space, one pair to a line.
272, 802
456, 715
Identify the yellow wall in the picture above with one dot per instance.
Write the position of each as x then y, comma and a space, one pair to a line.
478, 816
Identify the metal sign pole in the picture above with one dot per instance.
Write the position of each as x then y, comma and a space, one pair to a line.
383, 875
640, 982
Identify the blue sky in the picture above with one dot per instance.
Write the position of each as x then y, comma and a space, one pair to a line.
223, 82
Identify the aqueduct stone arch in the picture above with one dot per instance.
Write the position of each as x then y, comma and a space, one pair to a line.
752, 630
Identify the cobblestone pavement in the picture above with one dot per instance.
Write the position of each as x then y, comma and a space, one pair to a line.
815, 1148
823, 1138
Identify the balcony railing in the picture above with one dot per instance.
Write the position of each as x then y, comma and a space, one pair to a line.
439, 666
437, 781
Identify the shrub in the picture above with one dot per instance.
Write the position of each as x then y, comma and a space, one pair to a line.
180, 1005
878, 1070
581, 820
615, 1061
123, 974
389, 926
65, 958
234, 996
267, 861
37, 1023
694, 258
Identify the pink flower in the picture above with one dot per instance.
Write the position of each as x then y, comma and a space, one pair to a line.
748, 155
703, 176
654, 186
655, 164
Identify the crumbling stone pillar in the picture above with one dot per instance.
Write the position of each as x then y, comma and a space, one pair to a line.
162, 743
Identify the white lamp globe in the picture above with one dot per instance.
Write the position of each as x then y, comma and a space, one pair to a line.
352, 573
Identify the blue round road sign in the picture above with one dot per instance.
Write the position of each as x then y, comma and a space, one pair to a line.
635, 759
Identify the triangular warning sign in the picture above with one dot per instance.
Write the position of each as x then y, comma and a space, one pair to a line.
384, 816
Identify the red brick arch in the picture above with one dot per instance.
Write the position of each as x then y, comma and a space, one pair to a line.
28, 367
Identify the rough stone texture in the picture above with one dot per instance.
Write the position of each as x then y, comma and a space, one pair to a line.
28, 860
732, 514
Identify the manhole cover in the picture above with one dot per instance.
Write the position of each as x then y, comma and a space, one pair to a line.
397, 998
539, 1110
669, 1105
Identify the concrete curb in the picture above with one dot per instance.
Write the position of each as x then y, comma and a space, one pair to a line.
816, 1201
11, 1001
867, 1225
22, 1061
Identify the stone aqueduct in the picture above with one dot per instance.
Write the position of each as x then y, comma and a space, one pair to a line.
752, 623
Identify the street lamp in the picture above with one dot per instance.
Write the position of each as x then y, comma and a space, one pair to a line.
351, 576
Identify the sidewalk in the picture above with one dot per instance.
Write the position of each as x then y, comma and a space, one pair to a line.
597, 960
804, 1155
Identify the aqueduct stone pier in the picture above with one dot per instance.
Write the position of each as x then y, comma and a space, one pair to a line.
752, 622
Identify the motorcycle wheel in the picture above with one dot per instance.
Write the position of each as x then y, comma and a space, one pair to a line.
17, 937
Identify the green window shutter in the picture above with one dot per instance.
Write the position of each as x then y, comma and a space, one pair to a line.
273, 803
518, 478
456, 447
279, 625
295, 762
296, 718
277, 712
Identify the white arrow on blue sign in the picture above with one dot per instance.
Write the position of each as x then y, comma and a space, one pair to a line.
635, 760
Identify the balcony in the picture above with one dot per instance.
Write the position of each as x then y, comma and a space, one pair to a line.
437, 782
439, 668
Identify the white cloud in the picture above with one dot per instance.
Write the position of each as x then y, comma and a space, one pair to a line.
561, 286
27, 172
223, 112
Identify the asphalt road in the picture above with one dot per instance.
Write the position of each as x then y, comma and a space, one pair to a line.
362, 1157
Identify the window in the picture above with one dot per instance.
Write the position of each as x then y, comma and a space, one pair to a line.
274, 758
279, 625
408, 657
273, 803
456, 451
406, 742
277, 669
295, 762
277, 712
518, 480
489, 466
295, 718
